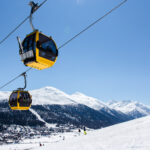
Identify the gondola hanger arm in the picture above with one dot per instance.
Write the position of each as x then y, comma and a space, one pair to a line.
34, 7
25, 81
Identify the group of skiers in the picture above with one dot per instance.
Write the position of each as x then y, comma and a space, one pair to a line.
84, 131
40, 144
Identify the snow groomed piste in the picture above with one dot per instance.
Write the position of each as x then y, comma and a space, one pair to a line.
132, 135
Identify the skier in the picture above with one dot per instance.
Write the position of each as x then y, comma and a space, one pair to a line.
63, 138
84, 131
41, 144
79, 131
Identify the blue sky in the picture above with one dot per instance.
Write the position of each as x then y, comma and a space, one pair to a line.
110, 61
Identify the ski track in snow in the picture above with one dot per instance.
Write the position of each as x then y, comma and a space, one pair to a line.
39, 118
131, 135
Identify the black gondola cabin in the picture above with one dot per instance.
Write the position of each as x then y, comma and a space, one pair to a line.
38, 51
20, 100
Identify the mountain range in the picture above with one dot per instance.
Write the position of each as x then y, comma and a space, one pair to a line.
55, 111
131, 108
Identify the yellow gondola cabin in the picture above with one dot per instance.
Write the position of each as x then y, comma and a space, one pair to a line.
20, 100
38, 51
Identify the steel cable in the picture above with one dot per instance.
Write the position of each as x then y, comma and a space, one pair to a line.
67, 42
5, 38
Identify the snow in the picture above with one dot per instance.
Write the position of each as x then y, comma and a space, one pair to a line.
39, 118
126, 136
50, 95
88, 101
129, 106
4, 95
132, 135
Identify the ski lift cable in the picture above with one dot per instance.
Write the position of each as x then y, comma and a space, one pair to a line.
15, 78
67, 42
5, 38
95, 22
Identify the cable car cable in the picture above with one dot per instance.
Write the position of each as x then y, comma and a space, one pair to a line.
67, 42
5, 38
15, 78
95, 22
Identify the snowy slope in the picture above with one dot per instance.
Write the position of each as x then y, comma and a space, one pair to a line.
88, 101
126, 136
50, 95
39, 118
130, 107
132, 135
44, 96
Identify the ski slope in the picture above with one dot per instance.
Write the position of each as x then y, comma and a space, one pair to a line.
39, 118
132, 135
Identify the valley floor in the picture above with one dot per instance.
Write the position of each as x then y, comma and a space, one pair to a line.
132, 135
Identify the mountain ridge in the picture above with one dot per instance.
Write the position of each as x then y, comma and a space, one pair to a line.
50, 96
133, 108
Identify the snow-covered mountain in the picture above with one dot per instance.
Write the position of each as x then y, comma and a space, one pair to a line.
49, 96
132, 108
52, 96
52, 108
88, 101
